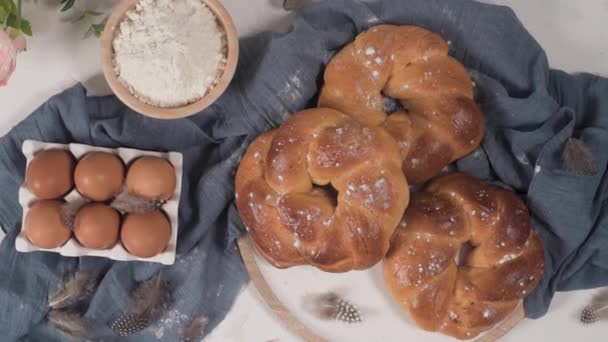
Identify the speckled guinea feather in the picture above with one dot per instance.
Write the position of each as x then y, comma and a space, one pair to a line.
578, 159
128, 325
151, 298
147, 303
69, 211
73, 289
331, 306
126, 202
597, 310
72, 324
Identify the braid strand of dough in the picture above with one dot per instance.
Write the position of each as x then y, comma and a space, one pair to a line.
322, 189
440, 122
505, 264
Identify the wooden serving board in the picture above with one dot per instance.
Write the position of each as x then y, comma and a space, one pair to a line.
283, 292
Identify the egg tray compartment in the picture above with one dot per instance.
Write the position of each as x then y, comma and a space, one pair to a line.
73, 248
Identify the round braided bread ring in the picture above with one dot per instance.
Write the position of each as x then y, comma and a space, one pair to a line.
440, 122
506, 261
291, 212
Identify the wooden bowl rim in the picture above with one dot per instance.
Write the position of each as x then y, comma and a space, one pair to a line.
107, 56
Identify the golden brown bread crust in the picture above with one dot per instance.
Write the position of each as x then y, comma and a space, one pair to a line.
294, 220
441, 121
505, 264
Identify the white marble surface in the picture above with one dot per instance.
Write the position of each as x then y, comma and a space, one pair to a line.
572, 32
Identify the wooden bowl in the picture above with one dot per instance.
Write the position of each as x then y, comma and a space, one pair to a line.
107, 62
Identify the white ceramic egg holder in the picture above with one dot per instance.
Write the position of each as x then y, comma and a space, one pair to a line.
74, 249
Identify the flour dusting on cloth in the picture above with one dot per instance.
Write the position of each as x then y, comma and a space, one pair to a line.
170, 53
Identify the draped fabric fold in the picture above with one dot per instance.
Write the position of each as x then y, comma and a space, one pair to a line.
531, 111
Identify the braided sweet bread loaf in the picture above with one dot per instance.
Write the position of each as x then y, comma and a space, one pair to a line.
506, 261
439, 122
286, 188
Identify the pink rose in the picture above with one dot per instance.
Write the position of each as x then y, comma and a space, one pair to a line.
8, 54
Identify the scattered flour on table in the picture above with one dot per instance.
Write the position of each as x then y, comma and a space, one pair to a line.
169, 53
170, 321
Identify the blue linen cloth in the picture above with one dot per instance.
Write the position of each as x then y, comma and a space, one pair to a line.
530, 109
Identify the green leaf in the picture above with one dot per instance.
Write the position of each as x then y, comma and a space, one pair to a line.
12, 21
98, 29
9, 14
3, 14
67, 4
9, 6
26, 27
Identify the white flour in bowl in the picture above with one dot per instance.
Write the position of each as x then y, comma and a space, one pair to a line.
169, 53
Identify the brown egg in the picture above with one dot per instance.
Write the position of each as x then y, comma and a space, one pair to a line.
152, 178
49, 174
146, 235
96, 226
99, 176
44, 226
